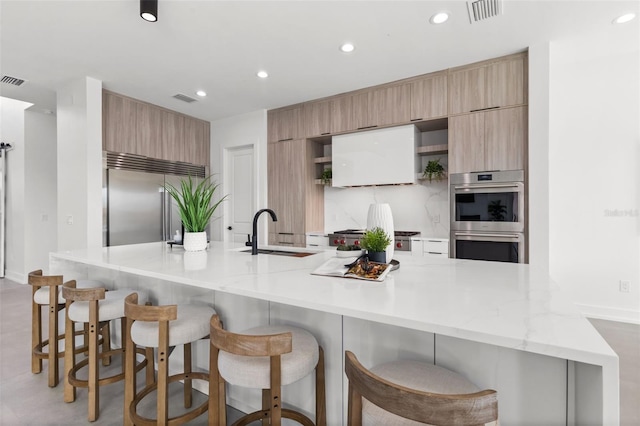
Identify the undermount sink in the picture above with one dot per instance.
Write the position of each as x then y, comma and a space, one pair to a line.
281, 252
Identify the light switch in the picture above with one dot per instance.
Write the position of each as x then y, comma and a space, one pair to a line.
69, 220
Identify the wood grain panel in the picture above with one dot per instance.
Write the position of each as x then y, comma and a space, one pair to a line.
429, 97
466, 90
119, 123
505, 138
364, 110
505, 83
342, 114
466, 143
393, 104
285, 124
317, 118
149, 130
172, 136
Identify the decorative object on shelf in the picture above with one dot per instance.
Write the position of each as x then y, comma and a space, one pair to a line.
376, 241
434, 170
379, 216
345, 250
195, 208
326, 176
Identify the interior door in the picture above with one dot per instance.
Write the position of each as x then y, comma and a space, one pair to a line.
240, 205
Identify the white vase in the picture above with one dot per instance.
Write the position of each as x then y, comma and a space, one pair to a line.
195, 241
380, 216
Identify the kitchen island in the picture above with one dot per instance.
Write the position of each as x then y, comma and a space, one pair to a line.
504, 326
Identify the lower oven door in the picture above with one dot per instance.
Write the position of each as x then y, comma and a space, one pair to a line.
498, 247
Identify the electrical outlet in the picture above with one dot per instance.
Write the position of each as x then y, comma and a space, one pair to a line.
69, 220
624, 286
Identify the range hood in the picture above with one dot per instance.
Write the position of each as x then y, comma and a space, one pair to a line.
375, 157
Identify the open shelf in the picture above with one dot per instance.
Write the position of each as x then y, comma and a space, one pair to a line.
432, 150
322, 160
319, 182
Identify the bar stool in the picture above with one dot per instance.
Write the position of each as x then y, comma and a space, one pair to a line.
42, 296
95, 308
163, 327
265, 358
414, 393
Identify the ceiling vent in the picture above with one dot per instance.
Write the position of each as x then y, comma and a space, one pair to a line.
184, 98
12, 80
480, 10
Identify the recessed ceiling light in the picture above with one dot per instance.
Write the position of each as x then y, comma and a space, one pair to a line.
201, 93
624, 18
262, 74
347, 48
439, 18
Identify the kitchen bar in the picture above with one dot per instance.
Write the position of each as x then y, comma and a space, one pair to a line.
504, 326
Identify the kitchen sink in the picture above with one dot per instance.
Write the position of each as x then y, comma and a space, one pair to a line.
281, 252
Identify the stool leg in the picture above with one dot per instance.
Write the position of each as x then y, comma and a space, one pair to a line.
215, 409
150, 373
36, 333
106, 343
354, 413
130, 371
93, 394
163, 373
53, 337
69, 355
321, 405
187, 370
266, 407
276, 397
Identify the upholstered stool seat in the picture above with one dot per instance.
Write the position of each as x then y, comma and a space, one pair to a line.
413, 393
94, 307
266, 358
163, 327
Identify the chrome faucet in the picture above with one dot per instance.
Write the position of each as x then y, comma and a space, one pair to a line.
254, 240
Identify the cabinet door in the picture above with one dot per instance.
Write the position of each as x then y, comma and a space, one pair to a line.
429, 98
505, 138
119, 123
342, 114
284, 124
275, 194
393, 105
364, 110
467, 90
149, 130
505, 82
203, 144
192, 132
317, 118
466, 143
172, 136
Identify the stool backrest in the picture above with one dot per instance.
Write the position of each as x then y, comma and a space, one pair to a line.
70, 292
248, 345
136, 312
474, 409
38, 280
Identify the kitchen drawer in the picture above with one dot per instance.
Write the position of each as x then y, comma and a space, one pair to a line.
287, 239
317, 240
435, 246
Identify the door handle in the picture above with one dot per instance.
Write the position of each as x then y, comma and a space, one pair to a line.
230, 228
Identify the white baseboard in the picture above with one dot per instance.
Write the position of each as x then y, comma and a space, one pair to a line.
610, 314
16, 276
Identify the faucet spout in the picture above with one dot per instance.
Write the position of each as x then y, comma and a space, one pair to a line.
254, 238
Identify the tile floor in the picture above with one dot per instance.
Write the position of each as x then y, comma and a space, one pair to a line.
25, 398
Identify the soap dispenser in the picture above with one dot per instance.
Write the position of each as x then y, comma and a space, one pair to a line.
178, 237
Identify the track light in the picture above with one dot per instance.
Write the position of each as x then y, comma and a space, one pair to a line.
149, 10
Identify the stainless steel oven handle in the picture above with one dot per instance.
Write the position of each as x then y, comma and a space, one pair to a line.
497, 185
473, 234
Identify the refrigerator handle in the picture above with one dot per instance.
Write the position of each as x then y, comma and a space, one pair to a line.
169, 221
163, 214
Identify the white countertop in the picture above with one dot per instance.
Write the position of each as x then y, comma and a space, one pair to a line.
503, 304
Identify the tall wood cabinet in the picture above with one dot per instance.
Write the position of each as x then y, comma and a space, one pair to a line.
429, 97
293, 195
285, 124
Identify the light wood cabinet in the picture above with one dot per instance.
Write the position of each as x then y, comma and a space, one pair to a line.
149, 131
393, 105
118, 123
364, 110
495, 84
284, 124
293, 195
491, 140
317, 118
341, 109
172, 136
429, 97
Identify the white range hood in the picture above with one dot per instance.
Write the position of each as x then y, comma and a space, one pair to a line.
375, 157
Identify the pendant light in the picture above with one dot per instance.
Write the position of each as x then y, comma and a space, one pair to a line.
149, 10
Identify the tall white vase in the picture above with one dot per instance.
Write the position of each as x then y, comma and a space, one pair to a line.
380, 216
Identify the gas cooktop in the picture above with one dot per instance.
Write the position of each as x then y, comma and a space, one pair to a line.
352, 237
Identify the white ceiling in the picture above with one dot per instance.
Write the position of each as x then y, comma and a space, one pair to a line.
218, 46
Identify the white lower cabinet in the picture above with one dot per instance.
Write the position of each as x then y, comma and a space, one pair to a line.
438, 247
317, 240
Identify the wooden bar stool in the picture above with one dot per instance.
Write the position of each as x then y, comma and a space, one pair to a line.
163, 327
264, 358
413, 393
95, 308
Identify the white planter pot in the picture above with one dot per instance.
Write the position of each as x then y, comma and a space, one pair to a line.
195, 241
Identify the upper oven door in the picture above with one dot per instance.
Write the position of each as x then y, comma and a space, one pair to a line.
487, 206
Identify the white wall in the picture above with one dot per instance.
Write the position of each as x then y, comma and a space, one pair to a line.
80, 164
594, 170
12, 132
40, 213
241, 130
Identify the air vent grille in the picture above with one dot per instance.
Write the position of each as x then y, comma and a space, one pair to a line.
484, 9
184, 98
12, 80
120, 161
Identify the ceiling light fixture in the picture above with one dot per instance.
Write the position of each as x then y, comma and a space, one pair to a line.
347, 48
439, 18
149, 10
624, 18
201, 93
262, 74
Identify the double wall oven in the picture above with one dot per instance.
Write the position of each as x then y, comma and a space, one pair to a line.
488, 216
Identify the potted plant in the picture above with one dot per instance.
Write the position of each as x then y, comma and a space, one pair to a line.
326, 176
434, 170
375, 241
195, 208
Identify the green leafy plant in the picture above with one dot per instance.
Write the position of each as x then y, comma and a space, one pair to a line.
434, 170
497, 210
375, 240
326, 176
194, 202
